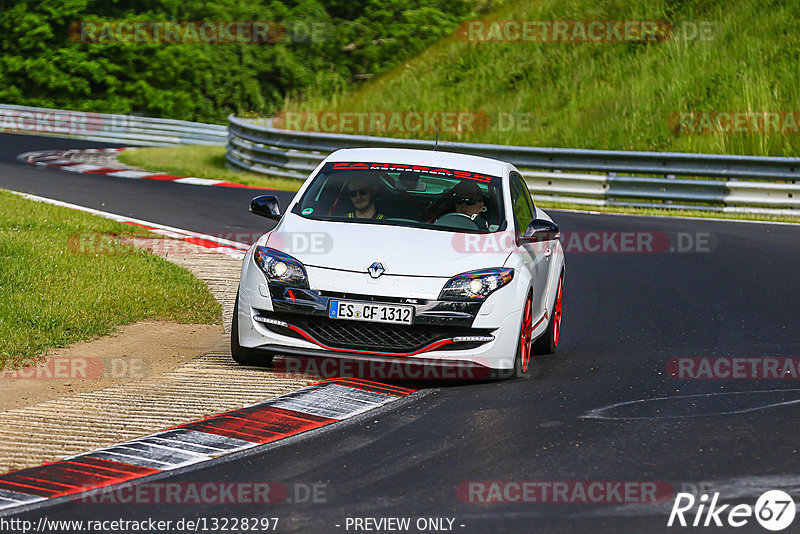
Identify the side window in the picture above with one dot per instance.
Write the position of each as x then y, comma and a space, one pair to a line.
521, 200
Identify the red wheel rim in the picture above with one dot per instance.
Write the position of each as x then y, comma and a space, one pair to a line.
525, 335
557, 313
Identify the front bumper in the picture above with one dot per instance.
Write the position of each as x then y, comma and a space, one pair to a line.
288, 320
296, 322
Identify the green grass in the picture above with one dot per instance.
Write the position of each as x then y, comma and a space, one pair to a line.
65, 276
620, 96
200, 162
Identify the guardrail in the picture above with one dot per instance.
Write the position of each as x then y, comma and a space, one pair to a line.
126, 129
725, 183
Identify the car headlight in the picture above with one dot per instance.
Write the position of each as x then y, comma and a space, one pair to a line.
476, 285
280, 268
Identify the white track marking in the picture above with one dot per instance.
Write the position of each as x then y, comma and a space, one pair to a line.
197, 181
131, 174
83, 167
597, 413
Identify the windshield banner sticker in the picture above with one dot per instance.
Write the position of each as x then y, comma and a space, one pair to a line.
363, 166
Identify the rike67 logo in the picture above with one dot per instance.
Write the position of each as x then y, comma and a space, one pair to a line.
774, 510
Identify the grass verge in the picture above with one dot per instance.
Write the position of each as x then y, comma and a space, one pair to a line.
57, 286
201, 162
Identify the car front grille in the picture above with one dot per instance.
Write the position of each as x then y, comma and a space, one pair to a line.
353, 334
379, 337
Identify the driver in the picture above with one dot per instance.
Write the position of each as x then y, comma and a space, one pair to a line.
470, 200
362, 195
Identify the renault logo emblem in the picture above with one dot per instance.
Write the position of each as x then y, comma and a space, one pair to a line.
376, 269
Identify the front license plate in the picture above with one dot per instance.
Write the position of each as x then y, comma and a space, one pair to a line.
368, 311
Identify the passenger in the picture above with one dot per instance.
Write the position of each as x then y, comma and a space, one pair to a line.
362, 195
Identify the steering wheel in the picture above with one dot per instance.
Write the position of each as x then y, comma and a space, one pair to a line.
457, 220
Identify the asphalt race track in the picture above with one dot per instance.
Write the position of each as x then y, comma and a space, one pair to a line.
626, 315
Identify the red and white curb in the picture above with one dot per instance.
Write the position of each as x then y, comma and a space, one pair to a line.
312, 407
61, 159
211, 242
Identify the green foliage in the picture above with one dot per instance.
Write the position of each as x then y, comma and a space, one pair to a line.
328, 45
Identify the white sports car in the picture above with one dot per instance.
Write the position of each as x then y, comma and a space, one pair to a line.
394, 254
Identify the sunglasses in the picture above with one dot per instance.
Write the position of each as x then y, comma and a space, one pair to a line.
355, 192
468, 201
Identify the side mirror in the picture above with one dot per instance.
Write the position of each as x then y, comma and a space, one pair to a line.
266, 206
541, 230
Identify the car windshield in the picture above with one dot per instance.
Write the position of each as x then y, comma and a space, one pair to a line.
405, 195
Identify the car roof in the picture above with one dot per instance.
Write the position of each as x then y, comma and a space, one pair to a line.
448, 160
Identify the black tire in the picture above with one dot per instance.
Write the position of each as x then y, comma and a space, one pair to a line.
246, 355
548, 342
